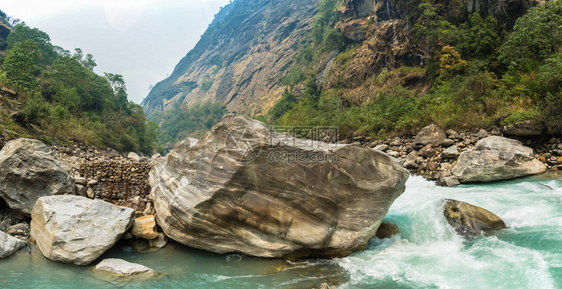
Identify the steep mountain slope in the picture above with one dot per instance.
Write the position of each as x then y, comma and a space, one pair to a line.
376, 67
252, 44
240, 59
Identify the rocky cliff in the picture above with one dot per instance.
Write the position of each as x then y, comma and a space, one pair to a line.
240, 59
252, 44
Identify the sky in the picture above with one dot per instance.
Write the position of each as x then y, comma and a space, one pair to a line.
142, 40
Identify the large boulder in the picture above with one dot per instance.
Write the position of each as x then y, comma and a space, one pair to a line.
430, 135
469, 220
245, 188
29, 170
497, 158
74, 229
9, 245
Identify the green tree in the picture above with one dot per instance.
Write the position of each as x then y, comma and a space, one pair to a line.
536, 35
432, 32
22, 33
478, 37
117, 83
20, 65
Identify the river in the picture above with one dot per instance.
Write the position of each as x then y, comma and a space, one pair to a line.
426, 254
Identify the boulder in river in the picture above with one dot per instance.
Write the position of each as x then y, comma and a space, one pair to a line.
29, 170
77, 230
497, 158
9, 245
122, 268
469, 220
387, 230
248, 189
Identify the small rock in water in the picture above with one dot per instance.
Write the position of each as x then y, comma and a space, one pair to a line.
387, 230
122, 267
469, 220
9, 245
448, 181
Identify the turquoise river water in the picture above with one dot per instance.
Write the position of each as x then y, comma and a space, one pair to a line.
426, 253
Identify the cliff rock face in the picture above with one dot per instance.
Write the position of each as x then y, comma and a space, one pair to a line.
240, 59
253, 44
245, 188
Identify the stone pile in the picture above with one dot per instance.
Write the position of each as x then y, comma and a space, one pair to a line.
122, 182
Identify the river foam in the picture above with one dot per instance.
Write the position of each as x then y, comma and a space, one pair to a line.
428, 254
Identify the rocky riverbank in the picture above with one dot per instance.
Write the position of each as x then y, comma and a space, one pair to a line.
449, 157
435, 157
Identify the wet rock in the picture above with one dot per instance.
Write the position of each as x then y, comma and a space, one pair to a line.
122, 268
497, 158
144, 245
469, 220
9, 245
448, 181
450, 153
145, 228
29, 170
387, 230
77, 230
525, 128
159, 242
431, 134
248, 201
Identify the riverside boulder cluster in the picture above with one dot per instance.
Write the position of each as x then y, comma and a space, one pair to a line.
226, 193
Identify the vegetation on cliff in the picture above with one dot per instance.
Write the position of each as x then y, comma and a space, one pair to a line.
59, 97
481, 74
181, 122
